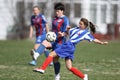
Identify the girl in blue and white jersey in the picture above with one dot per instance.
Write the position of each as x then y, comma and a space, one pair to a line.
67, 49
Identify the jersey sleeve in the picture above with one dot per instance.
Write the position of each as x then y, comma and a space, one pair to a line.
44, 19
89, 37
66, 23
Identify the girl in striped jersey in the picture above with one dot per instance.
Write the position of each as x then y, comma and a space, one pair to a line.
39, 22
67, 49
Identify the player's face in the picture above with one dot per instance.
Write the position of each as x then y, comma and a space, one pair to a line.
36, 11
59, 13
81, 25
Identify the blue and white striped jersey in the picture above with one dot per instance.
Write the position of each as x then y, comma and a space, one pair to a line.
77, 35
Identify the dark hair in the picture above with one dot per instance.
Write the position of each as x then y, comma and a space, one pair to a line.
92, 27
59, 6
88, 24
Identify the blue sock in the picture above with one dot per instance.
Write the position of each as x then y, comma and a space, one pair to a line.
57, 68
40, 49
46, 53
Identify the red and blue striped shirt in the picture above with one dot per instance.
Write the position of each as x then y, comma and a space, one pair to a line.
59, 24
39, 22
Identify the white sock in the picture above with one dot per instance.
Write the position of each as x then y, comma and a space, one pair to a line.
36, 54
57, 76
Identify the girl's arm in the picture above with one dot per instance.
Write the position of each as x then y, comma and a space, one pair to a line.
66, 28
31, 32
100, 42
47, 27
64, 33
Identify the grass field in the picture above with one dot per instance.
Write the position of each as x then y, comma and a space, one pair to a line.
98, 61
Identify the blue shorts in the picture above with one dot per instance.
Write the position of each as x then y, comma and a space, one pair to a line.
66, 50
40, 39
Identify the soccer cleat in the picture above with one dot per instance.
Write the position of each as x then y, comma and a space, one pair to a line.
86, 77
33, 63
39, 70
57, 77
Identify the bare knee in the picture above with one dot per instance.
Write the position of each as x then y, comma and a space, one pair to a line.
69, 68
53, 54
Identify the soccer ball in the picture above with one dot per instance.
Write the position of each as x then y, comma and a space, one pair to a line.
51, 36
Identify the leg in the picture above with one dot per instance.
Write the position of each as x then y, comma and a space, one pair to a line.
47, 54
39, 49
74, 70
45, 44
35, 47
56, 68
34, 55
45, 64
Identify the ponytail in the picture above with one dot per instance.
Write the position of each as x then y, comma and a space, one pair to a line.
92, 27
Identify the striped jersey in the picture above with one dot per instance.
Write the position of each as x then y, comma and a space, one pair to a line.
39, 22
77, 35
59, 24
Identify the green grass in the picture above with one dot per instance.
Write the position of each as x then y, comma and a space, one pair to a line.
100, 62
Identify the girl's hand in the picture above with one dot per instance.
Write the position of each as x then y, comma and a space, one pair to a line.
105, 42
100, 42
60, 34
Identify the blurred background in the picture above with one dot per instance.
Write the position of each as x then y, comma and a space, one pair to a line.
15, 16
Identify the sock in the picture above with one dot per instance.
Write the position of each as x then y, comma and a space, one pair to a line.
77, 72
57, 68
35, 55
46, 53
46, 62
40, 49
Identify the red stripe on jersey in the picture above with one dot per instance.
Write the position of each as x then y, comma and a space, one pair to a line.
36, 27
55, 30
59, 26
60, 40
39, 27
